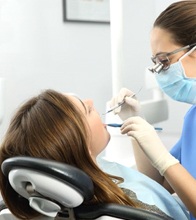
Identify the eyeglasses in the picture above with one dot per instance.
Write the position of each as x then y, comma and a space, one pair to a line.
162, 61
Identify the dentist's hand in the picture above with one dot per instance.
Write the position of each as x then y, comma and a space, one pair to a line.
149, 141
131, 107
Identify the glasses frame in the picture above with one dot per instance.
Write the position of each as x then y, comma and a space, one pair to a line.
160, 65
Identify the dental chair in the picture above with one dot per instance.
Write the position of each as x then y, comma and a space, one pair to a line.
59, 191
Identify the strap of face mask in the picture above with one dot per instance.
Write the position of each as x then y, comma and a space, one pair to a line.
186, 54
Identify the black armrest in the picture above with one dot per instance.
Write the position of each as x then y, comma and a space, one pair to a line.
115, 210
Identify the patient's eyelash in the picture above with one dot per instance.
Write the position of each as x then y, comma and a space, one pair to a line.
90, 108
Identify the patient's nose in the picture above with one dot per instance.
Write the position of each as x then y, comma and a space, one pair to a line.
89, 102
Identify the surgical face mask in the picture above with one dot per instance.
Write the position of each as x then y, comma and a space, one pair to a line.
176, 84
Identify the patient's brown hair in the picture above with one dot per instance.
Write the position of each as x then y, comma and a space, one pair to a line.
50, 126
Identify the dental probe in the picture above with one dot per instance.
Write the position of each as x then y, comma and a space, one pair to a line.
115, 125
122, 102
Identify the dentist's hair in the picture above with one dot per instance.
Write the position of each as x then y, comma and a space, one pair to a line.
179, 19
50, 126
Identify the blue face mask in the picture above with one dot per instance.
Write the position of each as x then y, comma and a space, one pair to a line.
176, 84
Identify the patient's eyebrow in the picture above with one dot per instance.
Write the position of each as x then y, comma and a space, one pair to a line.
83, 105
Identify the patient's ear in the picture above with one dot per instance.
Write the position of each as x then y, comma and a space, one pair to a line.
92, 156
90, 152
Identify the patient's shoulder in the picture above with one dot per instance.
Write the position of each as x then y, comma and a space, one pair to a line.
145, 206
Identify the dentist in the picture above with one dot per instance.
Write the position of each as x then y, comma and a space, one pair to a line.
173, 44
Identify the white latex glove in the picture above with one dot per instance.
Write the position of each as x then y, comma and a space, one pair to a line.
131, 107
149, 141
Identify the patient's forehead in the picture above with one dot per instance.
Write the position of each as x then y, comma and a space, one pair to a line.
71, 94
76, 101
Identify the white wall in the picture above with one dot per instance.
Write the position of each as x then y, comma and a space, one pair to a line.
38, 51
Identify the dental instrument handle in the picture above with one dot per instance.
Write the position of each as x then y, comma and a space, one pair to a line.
121, 103
115, 125
116, 106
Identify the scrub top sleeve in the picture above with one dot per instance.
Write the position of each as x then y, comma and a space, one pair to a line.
180, 145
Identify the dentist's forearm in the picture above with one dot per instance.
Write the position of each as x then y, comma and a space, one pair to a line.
143, 163
144, 166
183, 184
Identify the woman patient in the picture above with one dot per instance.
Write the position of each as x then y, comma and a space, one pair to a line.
63, 128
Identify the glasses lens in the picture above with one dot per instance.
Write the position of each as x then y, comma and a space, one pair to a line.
153, 59
163, 60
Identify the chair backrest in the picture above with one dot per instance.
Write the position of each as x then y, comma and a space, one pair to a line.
57, 189
48, 185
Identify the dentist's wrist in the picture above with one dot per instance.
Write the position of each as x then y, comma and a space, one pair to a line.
164, 162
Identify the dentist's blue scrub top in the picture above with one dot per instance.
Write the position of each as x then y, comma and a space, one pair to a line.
185, 148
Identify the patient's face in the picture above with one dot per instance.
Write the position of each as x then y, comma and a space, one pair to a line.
98, 131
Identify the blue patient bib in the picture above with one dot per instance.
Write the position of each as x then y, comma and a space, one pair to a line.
146, 189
